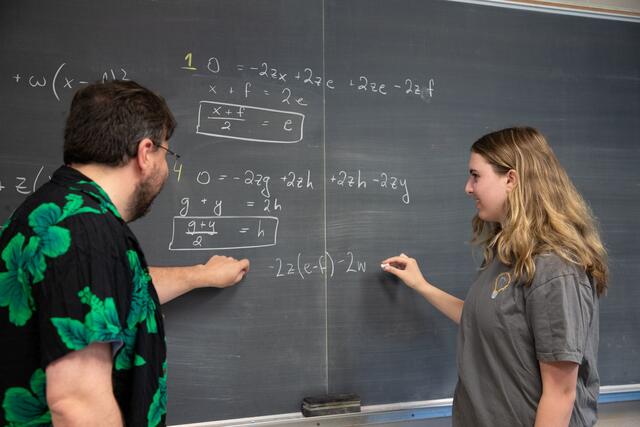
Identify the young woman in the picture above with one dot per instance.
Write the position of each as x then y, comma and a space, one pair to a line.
528, 328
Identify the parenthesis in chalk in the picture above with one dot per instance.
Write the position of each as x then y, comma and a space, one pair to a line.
328, 255
53, 82
300, 271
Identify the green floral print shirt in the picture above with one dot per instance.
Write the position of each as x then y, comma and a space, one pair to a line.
72, 273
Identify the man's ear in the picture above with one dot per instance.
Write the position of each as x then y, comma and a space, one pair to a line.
512, 179
143, 159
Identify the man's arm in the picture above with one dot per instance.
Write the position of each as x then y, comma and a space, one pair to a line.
558, 393
218, 272
79, 388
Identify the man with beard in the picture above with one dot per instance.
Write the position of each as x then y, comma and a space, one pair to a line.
81, 327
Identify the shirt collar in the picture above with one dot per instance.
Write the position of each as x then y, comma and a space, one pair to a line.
75, 180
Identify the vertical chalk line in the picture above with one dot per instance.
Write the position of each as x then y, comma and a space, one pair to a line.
324, 186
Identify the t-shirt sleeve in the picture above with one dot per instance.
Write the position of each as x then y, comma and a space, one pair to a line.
559, 313
83, 296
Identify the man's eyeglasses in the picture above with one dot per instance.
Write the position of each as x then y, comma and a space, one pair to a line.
173, 153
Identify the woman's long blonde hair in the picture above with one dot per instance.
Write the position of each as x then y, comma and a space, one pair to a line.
544, 212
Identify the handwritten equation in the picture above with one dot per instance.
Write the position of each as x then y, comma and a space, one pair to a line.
60, 80
244, 119
375, 182
383, 180
215, 230
291, 181
361, 83
305, 266
248, 123
223, 232
411, 86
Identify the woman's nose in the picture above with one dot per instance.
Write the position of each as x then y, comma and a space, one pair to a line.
468, 188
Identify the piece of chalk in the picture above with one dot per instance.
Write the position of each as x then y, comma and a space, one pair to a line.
383, 266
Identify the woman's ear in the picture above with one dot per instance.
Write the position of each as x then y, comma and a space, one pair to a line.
512, 179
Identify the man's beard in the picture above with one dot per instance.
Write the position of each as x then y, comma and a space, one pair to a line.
143, 197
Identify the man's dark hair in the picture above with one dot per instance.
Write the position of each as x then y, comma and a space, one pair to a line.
107, 121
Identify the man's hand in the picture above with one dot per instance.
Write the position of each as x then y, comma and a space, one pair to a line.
223, 271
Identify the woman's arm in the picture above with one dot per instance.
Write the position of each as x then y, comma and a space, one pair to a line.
558, 393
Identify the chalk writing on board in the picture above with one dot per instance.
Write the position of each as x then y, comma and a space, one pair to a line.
408, 87
291, 180
328, 264
223, 232
356, 181
185, 204
247, 123
307, 76
177, 169
258, 179
371, 183
423, 88
215, 206
59, 80
25, 184
300, 181
287, 95
213, 64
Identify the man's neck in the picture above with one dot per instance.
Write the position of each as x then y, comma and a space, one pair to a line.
118, 182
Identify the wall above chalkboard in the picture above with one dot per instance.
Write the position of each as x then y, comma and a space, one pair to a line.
319, 137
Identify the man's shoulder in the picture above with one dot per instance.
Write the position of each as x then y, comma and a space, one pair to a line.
59, 203
54, 211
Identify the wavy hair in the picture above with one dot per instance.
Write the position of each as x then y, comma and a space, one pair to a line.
107, 120
544, 212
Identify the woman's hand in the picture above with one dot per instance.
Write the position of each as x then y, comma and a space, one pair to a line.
406, 269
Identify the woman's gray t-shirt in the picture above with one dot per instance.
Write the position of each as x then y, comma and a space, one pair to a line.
507, 328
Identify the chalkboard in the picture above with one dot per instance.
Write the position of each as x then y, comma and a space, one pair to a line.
317, 138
